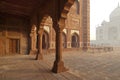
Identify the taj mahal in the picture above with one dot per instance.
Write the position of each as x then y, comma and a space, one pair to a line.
108, 34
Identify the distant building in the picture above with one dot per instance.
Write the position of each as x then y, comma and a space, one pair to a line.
108, 34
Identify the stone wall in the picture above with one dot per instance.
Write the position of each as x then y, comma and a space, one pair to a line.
13, 35
72, 25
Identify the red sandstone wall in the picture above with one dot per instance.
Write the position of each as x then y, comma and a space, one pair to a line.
2, 46
72, 23
13, 28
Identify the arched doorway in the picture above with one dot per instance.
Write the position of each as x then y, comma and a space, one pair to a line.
64, 40
75, 41
45, 40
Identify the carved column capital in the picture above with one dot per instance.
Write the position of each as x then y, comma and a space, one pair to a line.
57, 28
59, 24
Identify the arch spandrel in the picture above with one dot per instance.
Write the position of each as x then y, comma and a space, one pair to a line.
43, 20
64, 9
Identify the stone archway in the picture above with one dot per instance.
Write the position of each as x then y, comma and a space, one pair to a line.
43, 37
59, 25
75, 41
45, 40
64, 40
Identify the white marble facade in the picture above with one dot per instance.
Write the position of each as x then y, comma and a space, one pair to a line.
108, 33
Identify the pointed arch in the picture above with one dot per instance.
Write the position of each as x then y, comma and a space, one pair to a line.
64, 40
45, 40
75, 40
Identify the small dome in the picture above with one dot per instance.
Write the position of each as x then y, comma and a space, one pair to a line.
115, 13
103, 23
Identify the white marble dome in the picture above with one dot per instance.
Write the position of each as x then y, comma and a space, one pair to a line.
115, 14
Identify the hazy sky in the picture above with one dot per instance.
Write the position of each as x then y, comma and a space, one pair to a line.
99, 11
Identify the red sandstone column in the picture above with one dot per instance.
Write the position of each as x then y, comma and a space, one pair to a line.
33, 36
58, 64
39, 55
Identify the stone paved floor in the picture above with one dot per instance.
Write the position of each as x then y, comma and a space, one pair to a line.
24, 67
89, 66
82, 66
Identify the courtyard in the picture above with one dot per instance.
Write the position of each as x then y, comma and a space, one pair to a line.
81, 65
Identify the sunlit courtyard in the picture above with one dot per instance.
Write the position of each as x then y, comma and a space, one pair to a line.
81, 65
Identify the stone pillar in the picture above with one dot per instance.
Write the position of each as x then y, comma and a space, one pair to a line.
58, 63
85, 23
39, 55
33, 36
69, 38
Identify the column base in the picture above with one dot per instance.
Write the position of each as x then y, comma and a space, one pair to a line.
59, 67
39, 57
33, 52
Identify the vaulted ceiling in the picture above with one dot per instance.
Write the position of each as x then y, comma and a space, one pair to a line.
29, 7
20, 7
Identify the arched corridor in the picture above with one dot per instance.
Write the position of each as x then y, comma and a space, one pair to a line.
26, 20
